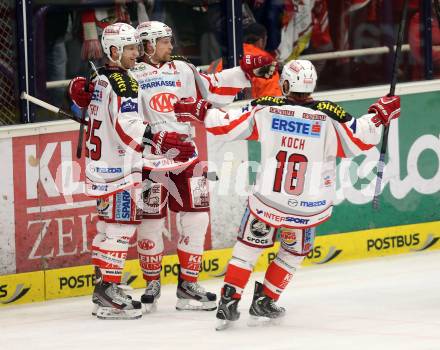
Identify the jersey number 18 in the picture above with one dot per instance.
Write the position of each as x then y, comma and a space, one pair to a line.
295, 170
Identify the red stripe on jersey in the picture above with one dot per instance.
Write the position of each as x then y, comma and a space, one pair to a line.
363, 146
224, 129
255, 135
221, 90
340, 153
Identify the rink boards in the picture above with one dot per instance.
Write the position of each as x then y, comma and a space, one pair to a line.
47, 223
76, 281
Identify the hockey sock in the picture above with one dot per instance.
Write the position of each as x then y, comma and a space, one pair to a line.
150, 248
192, 229
241, 265
112, 251
279, 273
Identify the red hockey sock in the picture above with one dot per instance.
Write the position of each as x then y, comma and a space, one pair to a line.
237, 277
189, 265
275, 280
151, 265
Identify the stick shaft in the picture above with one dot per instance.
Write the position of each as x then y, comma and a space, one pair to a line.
48, 106
396, 62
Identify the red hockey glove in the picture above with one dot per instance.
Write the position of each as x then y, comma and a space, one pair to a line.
258, 66
180, 150
386, 108
190, 109
77, 91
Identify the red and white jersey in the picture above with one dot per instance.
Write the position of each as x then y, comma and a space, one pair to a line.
162, 86
114, 134
295, 185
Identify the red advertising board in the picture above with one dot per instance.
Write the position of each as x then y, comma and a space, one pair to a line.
55, 221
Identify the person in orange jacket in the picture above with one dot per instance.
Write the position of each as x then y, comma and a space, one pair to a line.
254, 42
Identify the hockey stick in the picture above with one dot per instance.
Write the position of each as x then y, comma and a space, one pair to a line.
83, 117
383, 150
49, 107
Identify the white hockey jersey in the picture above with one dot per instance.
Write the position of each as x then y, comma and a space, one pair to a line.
114, 134
295, 186
162, 86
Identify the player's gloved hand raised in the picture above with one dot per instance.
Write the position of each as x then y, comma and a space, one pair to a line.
386, 108
258, 66
173, 145
78, 93
190, 109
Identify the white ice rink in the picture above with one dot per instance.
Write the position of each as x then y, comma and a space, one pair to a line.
385, 303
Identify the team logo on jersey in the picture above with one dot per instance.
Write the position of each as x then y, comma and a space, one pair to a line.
163, 102
129, 106
296, 126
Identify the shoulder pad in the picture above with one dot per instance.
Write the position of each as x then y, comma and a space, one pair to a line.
180, 58
332, 109
123, 84
269, 101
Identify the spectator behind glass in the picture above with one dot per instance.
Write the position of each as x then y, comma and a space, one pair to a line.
415, 38
304, 25
57, 23
254, 42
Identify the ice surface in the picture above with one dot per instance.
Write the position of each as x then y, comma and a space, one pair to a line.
386, 303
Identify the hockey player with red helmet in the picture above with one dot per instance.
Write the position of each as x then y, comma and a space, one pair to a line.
169, 182
116, 138
300, 140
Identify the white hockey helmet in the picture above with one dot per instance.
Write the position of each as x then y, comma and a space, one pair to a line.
118, 35
300, 75
152, 31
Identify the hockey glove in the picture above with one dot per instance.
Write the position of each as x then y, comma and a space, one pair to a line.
386, 109
171, 144
190, 109
77, 91
258, 66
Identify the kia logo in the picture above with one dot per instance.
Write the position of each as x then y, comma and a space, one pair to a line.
163, 102
146, 244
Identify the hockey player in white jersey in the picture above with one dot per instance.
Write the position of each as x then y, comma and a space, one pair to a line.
300, 141
162, 82
115, 142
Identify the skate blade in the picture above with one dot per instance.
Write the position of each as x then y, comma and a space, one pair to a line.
194, 305
258, 321
150, 308
109, 313
223, 324
95, 309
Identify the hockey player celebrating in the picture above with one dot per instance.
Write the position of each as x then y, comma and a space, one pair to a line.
300, 140
115, 140
163, 81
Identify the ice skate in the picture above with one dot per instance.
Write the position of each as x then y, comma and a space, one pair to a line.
150, 297
227, 309
113, 304
192, 296
263, 309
